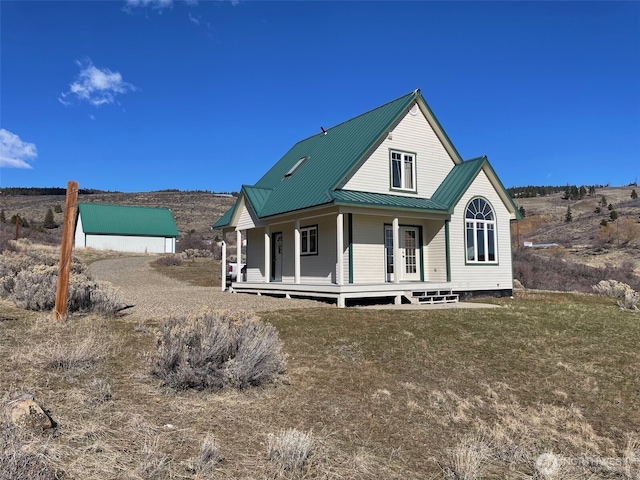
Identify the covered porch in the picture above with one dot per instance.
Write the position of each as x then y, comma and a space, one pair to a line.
405, 292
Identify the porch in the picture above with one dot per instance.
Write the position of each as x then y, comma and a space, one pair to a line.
411, 292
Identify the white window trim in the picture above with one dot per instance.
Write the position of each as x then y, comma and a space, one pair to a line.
307, 231
403, 179
475, 222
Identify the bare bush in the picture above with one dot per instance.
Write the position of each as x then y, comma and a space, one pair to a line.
538, 272
611, 288
154, 464
35, 288
18, 461
29, 277
468, 460
170, 260
209, 455
217, 350
629, 301
290, 449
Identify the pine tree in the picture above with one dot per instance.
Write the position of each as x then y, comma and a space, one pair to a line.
582, 192
522, 212
610, 207
568, 217
603, 222
603, 202
634, 195
613, 215
57, 209
49, 222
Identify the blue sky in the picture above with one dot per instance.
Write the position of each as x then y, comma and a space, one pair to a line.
148, 95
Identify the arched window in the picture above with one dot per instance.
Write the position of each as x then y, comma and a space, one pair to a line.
480, 229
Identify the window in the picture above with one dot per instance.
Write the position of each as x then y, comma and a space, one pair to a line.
403, 171
295, 167
480, 225
309, 240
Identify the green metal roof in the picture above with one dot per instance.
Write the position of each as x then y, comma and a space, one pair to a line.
457, 181
380, 200
105, 219
332, 155
460, 178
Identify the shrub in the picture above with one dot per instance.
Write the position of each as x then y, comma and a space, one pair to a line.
290, 449
217, 350
18, 460
539, 272
612, 288
29, 277
629, 301
170, 261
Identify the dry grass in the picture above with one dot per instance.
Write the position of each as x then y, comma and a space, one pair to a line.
203, 272
388, 395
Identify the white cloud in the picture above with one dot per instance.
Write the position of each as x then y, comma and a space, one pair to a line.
14, 153
159, 4
194, 19
96, 86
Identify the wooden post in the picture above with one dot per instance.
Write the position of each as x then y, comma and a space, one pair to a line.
62, 290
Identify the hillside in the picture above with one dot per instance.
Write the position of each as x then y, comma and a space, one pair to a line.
544, 222
193, 211
583, 238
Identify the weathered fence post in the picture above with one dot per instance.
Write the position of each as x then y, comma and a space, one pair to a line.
62, 289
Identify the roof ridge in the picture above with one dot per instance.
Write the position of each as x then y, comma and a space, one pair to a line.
326, 130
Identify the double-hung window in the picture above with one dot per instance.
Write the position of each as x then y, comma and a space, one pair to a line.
403, 171
480, 228
309, 240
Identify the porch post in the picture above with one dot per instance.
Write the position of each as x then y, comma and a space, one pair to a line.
396, 250
223, 273
340, 249
267, 254
296, 252
239, 260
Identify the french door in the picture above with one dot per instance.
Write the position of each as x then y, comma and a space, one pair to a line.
409, 253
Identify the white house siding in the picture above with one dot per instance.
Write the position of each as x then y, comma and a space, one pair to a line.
247, 218
481, 276
368, 248
79, 237
255, 255
120, 243
435, 252
412, 134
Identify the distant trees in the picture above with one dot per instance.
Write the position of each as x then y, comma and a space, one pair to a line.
634, 194
49, 221
568, 217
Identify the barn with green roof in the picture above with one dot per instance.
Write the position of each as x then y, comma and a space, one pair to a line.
380, 206
125, 228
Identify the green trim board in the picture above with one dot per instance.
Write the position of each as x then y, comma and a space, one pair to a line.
105, 219
350, 233
447, 249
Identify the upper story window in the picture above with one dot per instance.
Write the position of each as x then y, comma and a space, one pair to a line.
309, 240
403, 171
480, 227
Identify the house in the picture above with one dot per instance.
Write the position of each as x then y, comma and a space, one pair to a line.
381, 206
125, 229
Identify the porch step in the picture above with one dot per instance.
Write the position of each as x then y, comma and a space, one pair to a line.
430, 297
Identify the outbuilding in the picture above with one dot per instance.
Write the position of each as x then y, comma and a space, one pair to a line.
125, 228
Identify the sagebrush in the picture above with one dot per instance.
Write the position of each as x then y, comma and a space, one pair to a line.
290, 449
217, 350
29, 276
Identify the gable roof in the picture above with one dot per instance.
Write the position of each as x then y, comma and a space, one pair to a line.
98, 218
459, 179
311, 173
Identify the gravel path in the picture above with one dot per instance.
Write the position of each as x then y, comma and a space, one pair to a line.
157, 296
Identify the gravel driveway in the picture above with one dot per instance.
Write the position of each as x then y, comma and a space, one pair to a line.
156, 296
